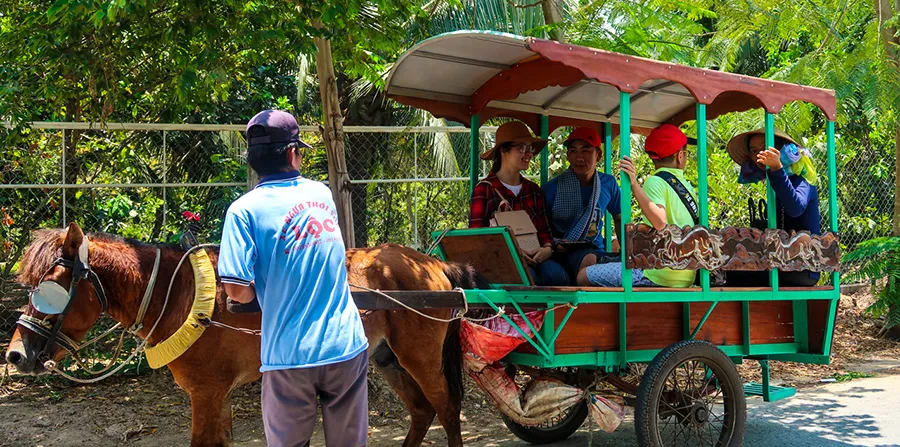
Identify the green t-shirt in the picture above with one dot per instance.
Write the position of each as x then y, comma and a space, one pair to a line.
661, 193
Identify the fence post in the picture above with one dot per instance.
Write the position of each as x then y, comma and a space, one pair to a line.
165, 176
416, 191
63, 189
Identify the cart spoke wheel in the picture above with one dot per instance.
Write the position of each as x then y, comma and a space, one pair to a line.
691, 395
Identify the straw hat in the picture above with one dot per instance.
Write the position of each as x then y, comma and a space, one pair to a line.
516, 132
737, 146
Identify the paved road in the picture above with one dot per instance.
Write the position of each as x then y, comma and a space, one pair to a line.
862, 412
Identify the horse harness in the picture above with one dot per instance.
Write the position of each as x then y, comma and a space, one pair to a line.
50, 298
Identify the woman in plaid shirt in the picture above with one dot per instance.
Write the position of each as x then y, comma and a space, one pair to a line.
511, 155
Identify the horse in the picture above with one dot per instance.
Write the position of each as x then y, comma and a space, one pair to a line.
419, 357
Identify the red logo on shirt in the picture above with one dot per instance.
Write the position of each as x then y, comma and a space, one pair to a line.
313, 231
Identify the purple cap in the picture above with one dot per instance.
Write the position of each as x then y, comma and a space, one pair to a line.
273, 126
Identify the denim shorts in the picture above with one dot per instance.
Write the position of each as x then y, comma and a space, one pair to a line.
610, 275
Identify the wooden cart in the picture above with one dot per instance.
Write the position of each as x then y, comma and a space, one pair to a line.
690, 338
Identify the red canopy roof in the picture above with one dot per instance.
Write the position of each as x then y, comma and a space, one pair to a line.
466, 73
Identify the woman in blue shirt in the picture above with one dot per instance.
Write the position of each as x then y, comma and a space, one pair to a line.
790, 171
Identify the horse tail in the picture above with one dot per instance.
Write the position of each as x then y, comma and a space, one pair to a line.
452, 363
466, 277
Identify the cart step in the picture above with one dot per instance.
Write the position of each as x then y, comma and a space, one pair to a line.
769, 393
775, 392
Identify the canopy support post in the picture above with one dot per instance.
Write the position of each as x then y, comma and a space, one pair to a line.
607, 168
624, 151
703, 182
833, 221
545, 154
770, 194
625, 181
832, 191
473, 152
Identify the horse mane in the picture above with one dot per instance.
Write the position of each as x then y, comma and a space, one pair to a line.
46, 247
43, 251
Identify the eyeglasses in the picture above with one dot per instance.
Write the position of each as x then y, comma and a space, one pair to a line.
524, 148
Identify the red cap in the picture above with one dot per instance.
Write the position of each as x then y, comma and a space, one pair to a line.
586, 134
664, 141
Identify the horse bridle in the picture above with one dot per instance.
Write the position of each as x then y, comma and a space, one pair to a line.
81, 270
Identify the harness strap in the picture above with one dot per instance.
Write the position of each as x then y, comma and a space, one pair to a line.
82, 272
145, 302
42, 328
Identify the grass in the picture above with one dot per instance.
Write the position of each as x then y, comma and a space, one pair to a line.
846, 377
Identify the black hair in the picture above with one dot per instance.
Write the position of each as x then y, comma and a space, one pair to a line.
268, 159
670, 159
498, 156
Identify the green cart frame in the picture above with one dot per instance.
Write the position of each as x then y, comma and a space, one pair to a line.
473, 76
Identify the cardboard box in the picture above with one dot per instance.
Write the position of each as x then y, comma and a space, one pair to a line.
520, 224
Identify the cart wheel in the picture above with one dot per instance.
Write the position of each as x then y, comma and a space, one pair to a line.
554, 430
691, 395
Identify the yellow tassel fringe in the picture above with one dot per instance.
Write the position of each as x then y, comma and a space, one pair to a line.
204, 302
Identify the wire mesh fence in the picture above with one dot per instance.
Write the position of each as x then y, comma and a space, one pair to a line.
139, 180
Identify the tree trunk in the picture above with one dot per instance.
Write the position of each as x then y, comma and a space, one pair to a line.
333, 136
553, 14
896, 219
885, 10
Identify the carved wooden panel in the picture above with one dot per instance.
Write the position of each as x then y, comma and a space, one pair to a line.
694, 248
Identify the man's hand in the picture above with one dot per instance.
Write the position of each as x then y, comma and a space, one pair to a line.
770, 157
627, 166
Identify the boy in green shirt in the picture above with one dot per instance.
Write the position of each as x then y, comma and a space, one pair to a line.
660, 204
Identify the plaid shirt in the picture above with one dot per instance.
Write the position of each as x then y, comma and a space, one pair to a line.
531, 199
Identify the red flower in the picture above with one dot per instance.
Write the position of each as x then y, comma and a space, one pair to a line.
191, 216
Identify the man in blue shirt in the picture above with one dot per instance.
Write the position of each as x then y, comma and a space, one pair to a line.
578, 199
282, 245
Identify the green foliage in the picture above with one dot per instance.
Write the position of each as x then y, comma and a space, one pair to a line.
136, 60
851, 375
878, 260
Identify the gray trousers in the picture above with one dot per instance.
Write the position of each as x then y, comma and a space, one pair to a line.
289, 404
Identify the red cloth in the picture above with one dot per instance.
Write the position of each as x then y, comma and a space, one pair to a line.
490, 344
530, 199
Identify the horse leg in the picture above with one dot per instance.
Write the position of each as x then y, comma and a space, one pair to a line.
211, 418
421, 412
419, 350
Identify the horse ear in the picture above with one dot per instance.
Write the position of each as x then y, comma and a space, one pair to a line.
74, 239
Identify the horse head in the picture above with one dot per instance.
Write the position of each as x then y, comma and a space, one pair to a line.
64, 301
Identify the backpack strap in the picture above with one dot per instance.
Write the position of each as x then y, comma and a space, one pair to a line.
686, 198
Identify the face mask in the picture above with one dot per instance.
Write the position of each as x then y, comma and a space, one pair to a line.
50, 298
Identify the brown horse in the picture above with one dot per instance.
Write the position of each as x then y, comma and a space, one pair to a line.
419, 357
